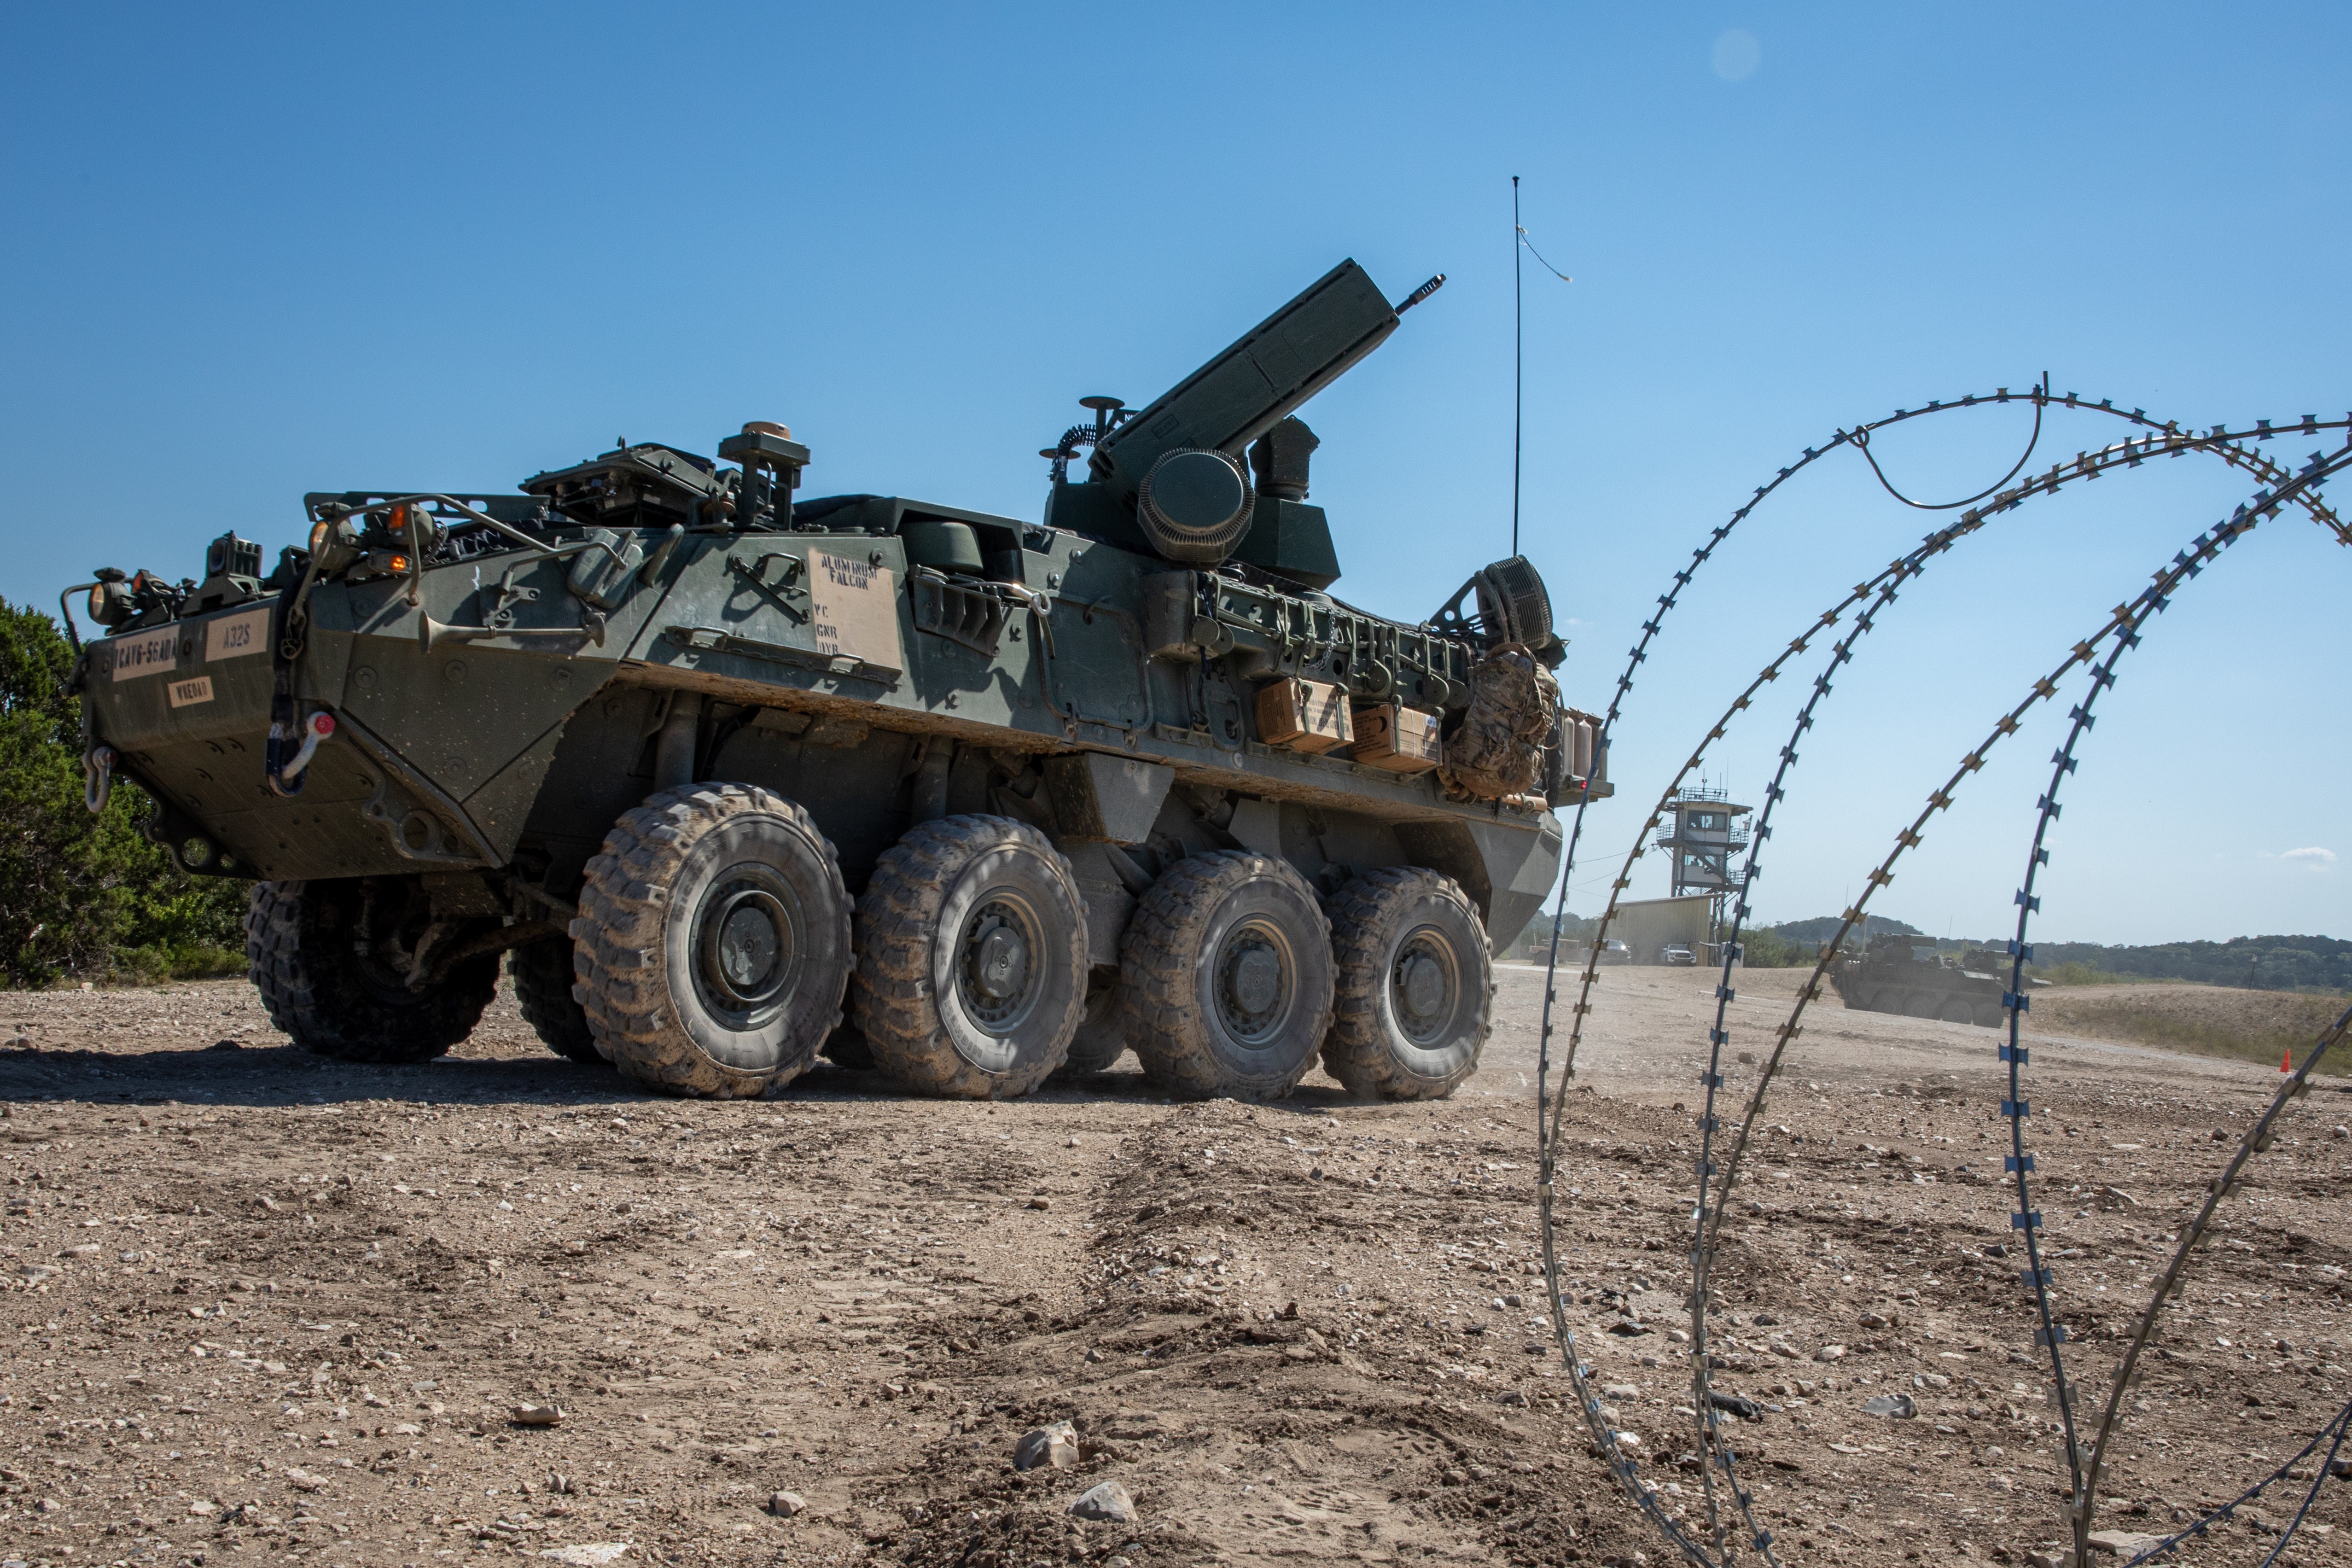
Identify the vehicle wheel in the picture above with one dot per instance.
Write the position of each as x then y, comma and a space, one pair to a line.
972, 958
1225, 977
543, 986
713, 946
1957, 1012
846, 1048
1919, 1004
324, 954
1101, 1038
1990, 1016
1414, 992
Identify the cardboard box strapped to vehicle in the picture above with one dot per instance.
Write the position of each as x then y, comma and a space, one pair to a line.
1400, 739
1305, 715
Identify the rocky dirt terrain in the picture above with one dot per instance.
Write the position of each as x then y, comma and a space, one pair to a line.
265, 1307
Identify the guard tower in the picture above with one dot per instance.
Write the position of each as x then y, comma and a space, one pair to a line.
1701, 837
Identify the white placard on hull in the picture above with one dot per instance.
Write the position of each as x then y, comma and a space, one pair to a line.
146, 653
195, 689
233, 636
853, 609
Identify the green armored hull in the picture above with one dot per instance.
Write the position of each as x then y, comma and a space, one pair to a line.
734, 778
1908, 975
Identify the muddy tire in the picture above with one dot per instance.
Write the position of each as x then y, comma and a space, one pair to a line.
971, 959
1414, 992
541, 971
1101, 1038
1957, 1011
1990, 1016
712, 947
1225, 977
303, 942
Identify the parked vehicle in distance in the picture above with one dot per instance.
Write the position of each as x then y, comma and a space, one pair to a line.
1678, 953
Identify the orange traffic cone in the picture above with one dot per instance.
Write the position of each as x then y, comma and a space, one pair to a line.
2286, 1061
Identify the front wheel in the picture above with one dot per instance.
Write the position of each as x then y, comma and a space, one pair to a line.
713, 946
1415, 987
971, 959
1225, 977
332, 960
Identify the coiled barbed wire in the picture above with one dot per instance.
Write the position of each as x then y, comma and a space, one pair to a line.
2125, 624
2167, 438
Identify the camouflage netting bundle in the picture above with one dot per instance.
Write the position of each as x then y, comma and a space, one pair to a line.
1498, 748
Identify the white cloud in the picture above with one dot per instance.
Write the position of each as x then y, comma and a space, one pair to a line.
2317, 858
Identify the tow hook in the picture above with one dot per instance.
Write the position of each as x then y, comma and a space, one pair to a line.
321, 725
97, 777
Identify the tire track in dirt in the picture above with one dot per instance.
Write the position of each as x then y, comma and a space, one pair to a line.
262, 1306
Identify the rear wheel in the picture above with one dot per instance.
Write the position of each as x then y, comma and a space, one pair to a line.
1101, 1038
1415, 985
1225, 977
1990, 1016
332, 960
1957, 1011
541, 971
971, 959
847, 1049
713, 946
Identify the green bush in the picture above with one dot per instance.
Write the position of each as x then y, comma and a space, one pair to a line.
84, 897
1767, 947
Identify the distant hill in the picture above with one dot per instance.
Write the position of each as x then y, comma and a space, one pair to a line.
2272, 962
1814, 932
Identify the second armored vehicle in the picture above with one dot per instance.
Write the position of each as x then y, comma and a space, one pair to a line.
1905, 974
714, 766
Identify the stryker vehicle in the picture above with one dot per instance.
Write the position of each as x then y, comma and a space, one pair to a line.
1905, 974
711, 765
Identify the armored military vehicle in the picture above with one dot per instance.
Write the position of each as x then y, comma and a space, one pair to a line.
1898, 973
711, 764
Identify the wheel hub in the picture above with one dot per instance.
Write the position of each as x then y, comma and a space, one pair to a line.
1253, 982
993, 967
1423, 984
746, 944
1004, 963
1257, 980
748, 947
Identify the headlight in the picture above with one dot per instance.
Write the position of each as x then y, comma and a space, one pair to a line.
109, 601
334, 544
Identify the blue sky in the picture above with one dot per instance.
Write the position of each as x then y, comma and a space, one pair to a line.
249, 252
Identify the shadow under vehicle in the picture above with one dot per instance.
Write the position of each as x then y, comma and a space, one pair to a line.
1907, 974
732, 778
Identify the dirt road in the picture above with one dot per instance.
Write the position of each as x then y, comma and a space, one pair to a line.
263, 1308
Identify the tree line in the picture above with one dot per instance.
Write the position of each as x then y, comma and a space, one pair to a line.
2260, 962
87, 897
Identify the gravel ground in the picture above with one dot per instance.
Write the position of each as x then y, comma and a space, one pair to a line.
265, 1307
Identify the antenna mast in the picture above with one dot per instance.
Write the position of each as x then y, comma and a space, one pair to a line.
1518, 347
